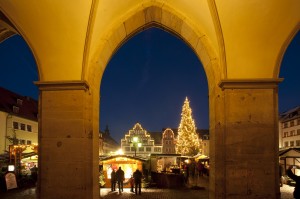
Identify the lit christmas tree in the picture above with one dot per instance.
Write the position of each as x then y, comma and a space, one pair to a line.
187, 139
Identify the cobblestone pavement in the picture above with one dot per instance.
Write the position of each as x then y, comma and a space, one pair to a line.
147, 193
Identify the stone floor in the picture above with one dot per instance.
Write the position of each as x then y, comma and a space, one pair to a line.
190, 192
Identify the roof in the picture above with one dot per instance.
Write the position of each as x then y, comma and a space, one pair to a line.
290, 114
284, 151
28, 107
123, 156
108, 139
157, 136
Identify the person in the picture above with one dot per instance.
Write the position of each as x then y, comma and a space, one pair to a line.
137, 175
280, 175
34, 173
131, 181
113, 180
296, 179
120, 178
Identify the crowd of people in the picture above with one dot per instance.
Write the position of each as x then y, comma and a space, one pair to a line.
118, 177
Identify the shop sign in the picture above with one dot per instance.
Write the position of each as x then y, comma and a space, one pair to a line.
11, 182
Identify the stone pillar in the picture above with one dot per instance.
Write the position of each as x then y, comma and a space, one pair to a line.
244, 140
68, 142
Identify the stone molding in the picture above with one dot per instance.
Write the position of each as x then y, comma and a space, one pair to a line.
62, 85
250, 83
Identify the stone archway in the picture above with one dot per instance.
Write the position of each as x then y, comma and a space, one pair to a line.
240, 69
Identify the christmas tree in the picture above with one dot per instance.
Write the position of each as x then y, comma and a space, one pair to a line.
187, 140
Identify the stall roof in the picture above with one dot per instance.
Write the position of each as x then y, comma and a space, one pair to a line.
102, 158
283, 152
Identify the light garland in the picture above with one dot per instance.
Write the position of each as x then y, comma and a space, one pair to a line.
187, 139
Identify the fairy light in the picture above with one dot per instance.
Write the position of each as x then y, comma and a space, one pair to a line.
187, 140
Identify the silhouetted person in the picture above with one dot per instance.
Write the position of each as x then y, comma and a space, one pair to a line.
137, 175
113, 180
120, 178
34, 173
296, 179
131, 181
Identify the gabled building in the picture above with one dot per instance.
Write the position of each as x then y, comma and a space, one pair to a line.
169, 137
138, 142
289, 128
18, 120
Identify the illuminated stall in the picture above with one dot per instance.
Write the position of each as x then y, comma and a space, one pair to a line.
128, 164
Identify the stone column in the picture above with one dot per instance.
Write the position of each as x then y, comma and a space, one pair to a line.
244, 139
68, 142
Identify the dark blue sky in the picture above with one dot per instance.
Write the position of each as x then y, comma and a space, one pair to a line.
146, 81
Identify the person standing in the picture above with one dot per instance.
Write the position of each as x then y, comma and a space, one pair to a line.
296, 179
137, 175
113, 180
131, 181
120, 178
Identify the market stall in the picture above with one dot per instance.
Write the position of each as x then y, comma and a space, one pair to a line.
128, 164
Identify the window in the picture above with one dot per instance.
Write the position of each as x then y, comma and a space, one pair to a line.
15, 109
297, 142
283, 134
28, 142
16, 125
298, 131
148, 149
286, 144
19, 102
22, 126
292, 123
132, 148
286, 134
291, 143
29, 128
285, 125
22, 141
157, 149
141, 148
298, 121
127, 148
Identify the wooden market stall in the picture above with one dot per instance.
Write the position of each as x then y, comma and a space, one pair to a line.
129, 164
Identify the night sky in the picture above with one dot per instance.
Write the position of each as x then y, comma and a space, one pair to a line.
146, 81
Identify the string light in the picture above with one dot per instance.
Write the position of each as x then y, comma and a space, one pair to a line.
187, 140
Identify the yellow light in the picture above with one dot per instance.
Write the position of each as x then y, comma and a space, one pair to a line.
120, 152
135, 139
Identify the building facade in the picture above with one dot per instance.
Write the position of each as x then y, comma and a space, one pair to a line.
289, 128
168, 142
138, 142
18, 120
107, 145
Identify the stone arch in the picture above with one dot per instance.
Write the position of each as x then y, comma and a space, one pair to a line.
166, 19
285, 45
8, 29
